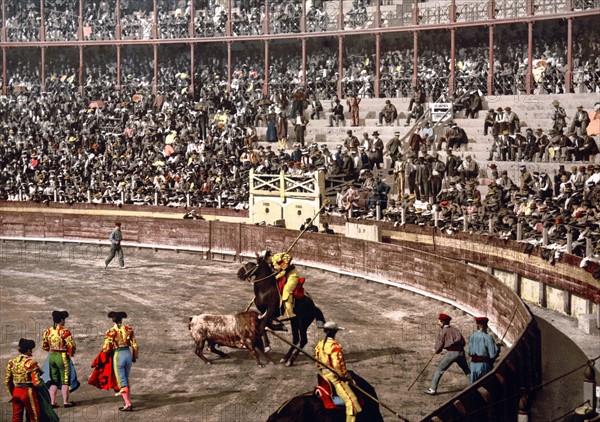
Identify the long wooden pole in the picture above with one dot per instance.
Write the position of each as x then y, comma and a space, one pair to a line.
311, 357
422, 370
306, 226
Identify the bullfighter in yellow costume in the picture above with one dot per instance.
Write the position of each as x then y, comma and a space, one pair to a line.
329, 351
282, 264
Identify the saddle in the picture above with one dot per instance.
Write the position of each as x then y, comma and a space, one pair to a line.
325, 391
298, 291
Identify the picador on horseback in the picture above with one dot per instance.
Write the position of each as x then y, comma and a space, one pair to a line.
270, 293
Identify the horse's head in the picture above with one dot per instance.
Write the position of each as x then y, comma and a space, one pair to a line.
248, 270
253, 270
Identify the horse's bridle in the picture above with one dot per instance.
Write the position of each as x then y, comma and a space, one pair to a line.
251, 273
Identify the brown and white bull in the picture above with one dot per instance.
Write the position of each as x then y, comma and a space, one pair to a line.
239, 330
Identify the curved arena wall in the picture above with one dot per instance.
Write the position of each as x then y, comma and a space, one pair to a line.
495, 397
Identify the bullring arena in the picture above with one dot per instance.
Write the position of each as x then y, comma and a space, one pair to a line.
227, 112
389, 336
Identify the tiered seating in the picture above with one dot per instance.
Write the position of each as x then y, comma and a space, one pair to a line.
533, 111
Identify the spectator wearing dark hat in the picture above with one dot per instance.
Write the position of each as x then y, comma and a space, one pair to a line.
482, 350
120, 341
23, 381
115, 246
451, 339
337, 114
59, 342
376, 153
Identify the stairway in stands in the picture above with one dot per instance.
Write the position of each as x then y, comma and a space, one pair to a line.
534, 111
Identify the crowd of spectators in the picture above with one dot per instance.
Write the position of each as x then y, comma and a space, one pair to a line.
174, 149
359, 67
171, 150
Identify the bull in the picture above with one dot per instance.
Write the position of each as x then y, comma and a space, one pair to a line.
239, 330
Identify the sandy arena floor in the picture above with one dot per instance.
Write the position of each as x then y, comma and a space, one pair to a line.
389, 337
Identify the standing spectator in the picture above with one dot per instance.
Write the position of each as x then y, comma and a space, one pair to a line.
428, 135
121, 343
393, 148
115, 247
337, 114
300, 128
558, 117
482, 350
271, 135
452, 164
399, 177
438, 170
351, 142
452, 340
500, 122
58, 341
24, 383
580, 121
376, 154
364, 159
389, 113
282, 129
526, 181
298, 100
353, 107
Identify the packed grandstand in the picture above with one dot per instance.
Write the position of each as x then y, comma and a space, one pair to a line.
115, 102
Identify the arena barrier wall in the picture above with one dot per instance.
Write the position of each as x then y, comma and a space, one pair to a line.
495, 397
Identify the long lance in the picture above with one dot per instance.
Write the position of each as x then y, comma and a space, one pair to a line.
306, 226
422, 370
375, 399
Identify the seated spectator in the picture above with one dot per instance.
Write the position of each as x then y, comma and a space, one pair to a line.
337, 114
309, 226
389, 114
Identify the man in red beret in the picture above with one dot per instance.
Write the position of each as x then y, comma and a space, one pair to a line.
452, 340
482, 349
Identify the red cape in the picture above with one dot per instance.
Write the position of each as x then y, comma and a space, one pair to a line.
103, 376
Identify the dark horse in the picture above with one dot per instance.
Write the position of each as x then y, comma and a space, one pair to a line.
309, 407
266, 299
